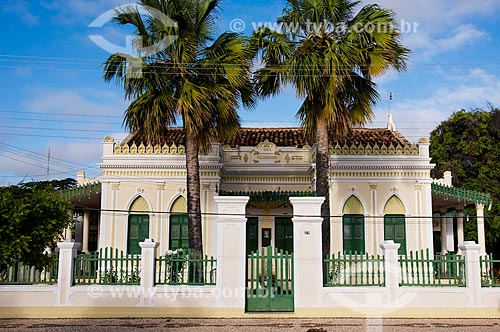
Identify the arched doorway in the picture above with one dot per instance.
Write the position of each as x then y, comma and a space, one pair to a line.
395, 222
179, 230
353, 225
138, 224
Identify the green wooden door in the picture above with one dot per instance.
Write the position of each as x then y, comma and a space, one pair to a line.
269, 281
395, 229
354, 233
138, 231
283, 233
252, 234
179, 231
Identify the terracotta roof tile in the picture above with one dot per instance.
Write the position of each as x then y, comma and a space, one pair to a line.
291, 137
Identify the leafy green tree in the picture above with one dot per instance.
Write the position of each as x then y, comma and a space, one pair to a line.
31, 220
195, 76
468, 145
330, 55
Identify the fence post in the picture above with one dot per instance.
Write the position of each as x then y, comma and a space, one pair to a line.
470, 250
148, 265
231, 250
67, 254
391, 272
308, 257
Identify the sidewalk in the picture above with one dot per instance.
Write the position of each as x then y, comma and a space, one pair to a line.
253, 324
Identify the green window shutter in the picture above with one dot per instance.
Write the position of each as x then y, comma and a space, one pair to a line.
395, 229
179, 231
252, 234
354, 233
138, 231
283, 233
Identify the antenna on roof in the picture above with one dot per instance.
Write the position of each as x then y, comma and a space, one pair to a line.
390, 122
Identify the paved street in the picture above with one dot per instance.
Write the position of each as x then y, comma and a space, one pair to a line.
253, 324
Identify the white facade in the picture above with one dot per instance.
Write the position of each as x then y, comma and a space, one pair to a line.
376, 167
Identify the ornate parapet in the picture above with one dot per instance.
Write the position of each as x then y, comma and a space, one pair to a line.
460, 194
150, 149
391, 150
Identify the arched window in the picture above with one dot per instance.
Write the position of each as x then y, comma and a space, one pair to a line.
353, 224
395, 223
138, 225
179, 231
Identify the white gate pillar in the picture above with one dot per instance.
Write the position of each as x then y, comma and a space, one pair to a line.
231, 250
471, 251
391, 268
67, 254
148, 273
307, 253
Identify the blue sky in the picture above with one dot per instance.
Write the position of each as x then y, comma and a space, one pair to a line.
53, 94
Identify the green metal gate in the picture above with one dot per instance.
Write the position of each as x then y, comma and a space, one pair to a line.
269, 281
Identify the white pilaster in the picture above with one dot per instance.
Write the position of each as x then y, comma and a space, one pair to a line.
308, 262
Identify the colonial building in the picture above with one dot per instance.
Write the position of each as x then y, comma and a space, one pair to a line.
380, 189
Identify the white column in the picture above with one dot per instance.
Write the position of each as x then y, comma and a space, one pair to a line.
67, 254
391, 267
86, 225
148, 257
442, 223
376, 227
471, 251
67, 232
450, 238
460, 228
231, 250
481, 237
307, 255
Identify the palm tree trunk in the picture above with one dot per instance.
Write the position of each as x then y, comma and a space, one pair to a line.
322, 183
194, 207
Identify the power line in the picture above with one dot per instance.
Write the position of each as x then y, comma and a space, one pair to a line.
63, 114
58, 129
53, 136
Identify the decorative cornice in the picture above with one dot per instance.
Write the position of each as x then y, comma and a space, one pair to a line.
150, 149
391, 150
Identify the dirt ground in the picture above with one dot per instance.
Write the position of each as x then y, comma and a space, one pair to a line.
251, 324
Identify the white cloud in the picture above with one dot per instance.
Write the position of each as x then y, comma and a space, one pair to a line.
75, 101
21, 9
461, 36
417, 117
443, 25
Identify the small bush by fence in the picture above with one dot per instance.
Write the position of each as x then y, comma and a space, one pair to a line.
352, 269
20, 274
490, 271
107, 266
184, 267
420, 269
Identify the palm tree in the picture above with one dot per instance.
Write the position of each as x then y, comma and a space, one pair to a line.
330, 55
193, 76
